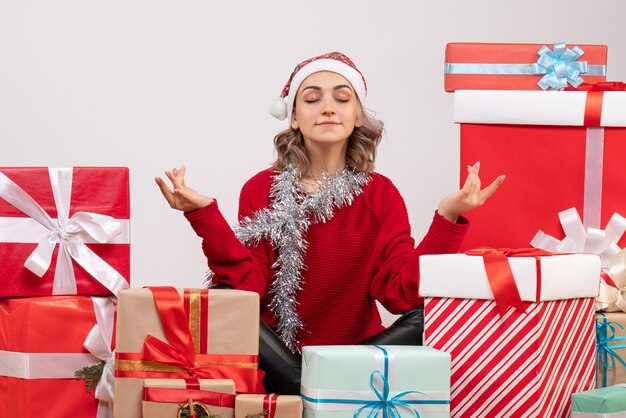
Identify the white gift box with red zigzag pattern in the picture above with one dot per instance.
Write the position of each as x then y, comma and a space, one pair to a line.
521, 364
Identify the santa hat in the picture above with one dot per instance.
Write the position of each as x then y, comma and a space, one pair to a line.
335, 62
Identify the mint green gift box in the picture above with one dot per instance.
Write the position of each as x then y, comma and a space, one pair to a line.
338, 381
608, 402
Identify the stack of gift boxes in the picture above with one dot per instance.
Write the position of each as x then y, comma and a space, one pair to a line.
519, 322
65, 298
179, 350
64, 253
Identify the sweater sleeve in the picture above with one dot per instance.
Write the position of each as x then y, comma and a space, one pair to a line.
241, 267
395, 285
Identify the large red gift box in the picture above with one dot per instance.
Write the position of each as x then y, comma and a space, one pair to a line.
527, 363
61, 227
555, 157
42, 346
500, 66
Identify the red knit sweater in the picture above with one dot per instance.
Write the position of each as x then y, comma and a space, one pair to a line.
364, 253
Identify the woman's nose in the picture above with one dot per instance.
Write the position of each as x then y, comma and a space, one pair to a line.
328, 107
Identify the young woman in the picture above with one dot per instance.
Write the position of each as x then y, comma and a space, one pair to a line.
322, 237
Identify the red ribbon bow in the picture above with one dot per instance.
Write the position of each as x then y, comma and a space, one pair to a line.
180, 352
500, 276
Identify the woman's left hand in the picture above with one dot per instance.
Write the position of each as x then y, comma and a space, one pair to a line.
469, 197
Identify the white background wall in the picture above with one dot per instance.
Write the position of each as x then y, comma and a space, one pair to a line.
153, 84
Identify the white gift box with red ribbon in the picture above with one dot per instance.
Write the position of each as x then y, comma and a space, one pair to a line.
538, 279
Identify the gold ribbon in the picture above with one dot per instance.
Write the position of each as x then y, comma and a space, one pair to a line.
155, 366
194, 317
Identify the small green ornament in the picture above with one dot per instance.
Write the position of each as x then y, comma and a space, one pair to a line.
91, 375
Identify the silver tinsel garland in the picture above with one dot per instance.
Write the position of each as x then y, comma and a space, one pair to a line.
285, 223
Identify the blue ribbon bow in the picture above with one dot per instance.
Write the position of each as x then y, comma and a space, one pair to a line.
559, 66
605, 333
384, 404
388, 406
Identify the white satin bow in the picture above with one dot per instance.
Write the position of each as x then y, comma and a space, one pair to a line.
595, 241
580, 240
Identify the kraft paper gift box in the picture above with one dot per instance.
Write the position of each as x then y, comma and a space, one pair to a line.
611, 348
268, 406
609, 402
339, 381
163, 398
527, 361
164, 332
506, 66
562, 153
64, 231
44, 341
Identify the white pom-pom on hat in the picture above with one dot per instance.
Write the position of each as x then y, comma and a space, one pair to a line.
278, 108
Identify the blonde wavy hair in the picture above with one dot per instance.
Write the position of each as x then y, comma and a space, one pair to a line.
360, 155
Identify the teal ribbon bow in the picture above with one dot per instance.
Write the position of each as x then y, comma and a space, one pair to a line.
560, 67
384, 404
605, 333
389, 407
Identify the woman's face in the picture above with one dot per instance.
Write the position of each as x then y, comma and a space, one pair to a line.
326, 109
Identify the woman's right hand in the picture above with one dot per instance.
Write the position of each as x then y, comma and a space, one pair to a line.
181, 197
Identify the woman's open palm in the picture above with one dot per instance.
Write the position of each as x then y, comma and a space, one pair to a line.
181, 197
470, 196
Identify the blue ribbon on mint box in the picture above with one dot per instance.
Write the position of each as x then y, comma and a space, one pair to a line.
605, 334
558, 66
377, 400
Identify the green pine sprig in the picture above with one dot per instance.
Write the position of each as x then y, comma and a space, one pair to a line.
91, 375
